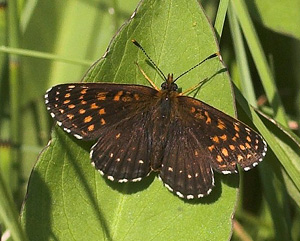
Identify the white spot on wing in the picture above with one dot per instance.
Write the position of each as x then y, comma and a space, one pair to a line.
136, 179
200, 195
111, 178
209, 191
213, 178
78, 136
167, 186
190, 196
67, 130
179, 194
226, 172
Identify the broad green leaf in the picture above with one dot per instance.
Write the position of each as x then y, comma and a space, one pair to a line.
68, 199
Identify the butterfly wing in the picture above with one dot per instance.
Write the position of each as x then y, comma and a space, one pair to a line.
122, 154
86, 109
228, 141
185, 169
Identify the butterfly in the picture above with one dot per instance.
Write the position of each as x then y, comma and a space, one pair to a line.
140, 129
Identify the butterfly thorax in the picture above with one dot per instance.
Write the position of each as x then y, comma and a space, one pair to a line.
165, 112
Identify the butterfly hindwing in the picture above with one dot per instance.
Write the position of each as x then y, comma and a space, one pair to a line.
86, 109
121, 154
185, 169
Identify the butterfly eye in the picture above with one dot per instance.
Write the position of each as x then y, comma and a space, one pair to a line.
174, 87
164, 86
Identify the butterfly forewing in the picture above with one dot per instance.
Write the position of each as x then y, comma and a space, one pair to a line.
85, 110
225, 141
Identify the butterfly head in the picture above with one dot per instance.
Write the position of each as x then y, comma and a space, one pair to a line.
169, 84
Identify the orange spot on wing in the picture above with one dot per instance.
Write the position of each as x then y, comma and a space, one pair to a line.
236, 128
103, 122
83, 91
94, 106
102, 111
210, 148
208, 119
216, 139
71, 106
224, 152
91, 127
240, 158
221, 125
88, 119
223, 137
219, 158
81, 111
118, 95
70, 116
101, 95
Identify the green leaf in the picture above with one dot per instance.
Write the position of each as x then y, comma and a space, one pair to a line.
68, 199
286, 146
280, 16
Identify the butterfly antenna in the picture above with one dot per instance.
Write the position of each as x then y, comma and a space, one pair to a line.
151, 61
209, 57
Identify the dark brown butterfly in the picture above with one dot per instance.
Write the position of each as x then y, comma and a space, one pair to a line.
140, 129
